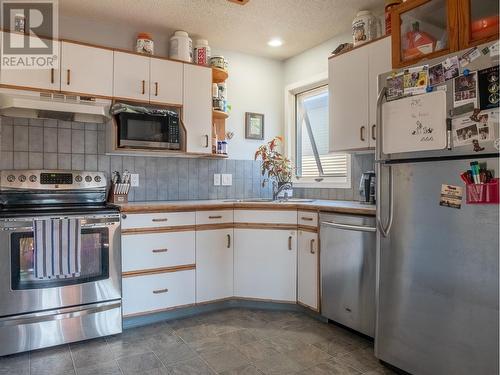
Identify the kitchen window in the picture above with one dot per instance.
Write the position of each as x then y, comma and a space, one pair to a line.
315, 165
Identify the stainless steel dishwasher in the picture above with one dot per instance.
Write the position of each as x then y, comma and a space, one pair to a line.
348, 256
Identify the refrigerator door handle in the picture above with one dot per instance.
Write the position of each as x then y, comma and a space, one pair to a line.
384, 230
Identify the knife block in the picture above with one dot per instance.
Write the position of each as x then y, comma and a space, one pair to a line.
119, 193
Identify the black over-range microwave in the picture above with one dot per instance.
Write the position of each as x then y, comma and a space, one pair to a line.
148, 131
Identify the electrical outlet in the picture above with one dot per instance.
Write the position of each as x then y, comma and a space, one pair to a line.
134, 179
217, 179
227, 179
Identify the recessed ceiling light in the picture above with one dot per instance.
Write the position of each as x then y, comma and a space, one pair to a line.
275, 42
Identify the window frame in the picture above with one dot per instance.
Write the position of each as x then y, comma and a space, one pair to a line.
291, 137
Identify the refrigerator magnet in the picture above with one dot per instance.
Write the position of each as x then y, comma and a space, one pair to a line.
466, 130
415, 80
436, 75
469, 57
465, 90
395, 86
451, 196
489, 87
451, 68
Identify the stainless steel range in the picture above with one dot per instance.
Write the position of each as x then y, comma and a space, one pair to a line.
59, 259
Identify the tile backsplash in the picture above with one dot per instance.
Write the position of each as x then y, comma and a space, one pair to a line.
53, 144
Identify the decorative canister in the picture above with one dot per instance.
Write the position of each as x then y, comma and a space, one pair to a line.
222, 90
181, 47
202, 52
389, 5
215, 91
364, 27
144, 43
218, 104
218, 62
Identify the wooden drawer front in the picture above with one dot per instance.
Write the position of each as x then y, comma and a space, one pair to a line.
308, 218
214, 217
143, 294
157, 250
266, 216
167, 219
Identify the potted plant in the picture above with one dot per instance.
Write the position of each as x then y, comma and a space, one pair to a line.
277, 167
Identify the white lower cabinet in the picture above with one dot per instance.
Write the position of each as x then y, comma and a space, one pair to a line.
308, 269
156, 292
265, 264
157, 250
214, 264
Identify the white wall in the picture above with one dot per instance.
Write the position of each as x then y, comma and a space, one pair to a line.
312, 62
255, 84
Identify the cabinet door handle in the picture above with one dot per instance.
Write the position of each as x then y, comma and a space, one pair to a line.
159, 220
312, 247
156, 88
289, 242
306, 218
160, 291
143, 87
68, 77
374, 128
206, 140
52, 75
155, 251
228, 241
215, 217
362, 133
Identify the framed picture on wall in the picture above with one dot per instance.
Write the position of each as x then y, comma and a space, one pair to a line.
254, 125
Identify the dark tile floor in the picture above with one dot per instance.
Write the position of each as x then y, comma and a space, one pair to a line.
235, 341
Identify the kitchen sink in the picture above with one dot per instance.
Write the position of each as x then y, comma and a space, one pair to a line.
259, 200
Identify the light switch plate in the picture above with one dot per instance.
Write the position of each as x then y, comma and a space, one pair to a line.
227, 179
217, 179
134, 179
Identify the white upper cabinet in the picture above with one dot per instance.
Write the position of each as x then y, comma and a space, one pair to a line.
197, 110
353, 95
131, 76
166, 81
44, 79
86, 69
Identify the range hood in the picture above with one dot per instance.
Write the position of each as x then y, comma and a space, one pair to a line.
58, 106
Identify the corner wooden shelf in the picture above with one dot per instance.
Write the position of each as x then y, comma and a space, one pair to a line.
219, 115
219, 75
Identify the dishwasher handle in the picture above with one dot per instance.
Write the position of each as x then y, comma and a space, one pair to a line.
359, 228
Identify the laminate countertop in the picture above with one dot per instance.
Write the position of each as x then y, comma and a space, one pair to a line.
348, 207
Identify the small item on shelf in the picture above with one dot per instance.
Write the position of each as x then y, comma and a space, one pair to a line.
218, 104
224, 147
219, 147
485, 27
215, 91
418, 43
344, 47
389, 5
181, 47
202, 52
145, 43
218, 62
364, 27
214, 139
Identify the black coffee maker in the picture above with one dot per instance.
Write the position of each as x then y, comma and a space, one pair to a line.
367, 188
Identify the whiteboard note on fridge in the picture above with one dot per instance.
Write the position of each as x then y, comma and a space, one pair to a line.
415, 123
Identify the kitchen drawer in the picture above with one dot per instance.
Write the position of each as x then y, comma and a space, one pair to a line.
157, 250
149, 293
154, 220
214, 217
308, 218
266, 216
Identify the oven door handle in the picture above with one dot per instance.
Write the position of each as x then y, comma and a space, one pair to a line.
60, 314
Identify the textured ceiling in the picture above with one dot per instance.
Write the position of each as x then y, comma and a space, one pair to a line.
301, 24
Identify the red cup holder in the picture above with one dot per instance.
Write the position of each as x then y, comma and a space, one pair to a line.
488, 193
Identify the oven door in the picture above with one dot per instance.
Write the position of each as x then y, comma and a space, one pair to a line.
146, 131
99, 279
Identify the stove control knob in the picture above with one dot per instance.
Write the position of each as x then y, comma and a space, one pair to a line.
78, 178
22, 178
32, 178
11, 178
97, 178
88, 179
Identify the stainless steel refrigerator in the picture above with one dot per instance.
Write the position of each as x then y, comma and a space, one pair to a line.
437, 266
